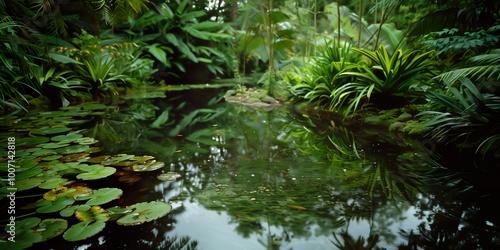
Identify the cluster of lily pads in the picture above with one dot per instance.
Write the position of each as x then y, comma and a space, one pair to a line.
53, 156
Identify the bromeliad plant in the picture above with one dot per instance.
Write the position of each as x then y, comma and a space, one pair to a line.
386, 81
383, 80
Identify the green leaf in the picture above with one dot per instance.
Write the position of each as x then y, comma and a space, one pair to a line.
97, 174
104, 195
63, 59
144, 212
162, 119
83, 230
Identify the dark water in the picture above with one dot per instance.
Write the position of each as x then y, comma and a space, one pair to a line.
282, 179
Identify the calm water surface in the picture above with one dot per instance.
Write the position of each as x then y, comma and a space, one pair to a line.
281, 179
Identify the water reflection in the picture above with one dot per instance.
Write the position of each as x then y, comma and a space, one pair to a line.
283, 179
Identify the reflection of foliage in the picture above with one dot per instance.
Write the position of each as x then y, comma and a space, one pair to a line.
350, 243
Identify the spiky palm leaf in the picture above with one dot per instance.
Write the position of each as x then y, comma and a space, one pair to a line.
483, 66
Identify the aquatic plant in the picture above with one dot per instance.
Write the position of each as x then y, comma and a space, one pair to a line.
54, 157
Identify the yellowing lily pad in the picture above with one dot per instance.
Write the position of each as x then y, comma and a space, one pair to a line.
98, 159
74, 157
142, 159
61, 202
144, 212
52, 194
148, 166
117, 158
170, 176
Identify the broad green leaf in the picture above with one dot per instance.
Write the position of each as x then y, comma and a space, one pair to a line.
104, 195
144, 212
83, 230
97, 174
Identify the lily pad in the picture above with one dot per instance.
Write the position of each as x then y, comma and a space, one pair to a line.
73, 149
54, 182
30, 183
51, 157
51, 145
61, 202
86, 141
144, 212
70, 137
80, 193
117, 158
28, 173
142, 159
94, 213
52, 194
51, 228
98, 159
170, 176
104, 195
74, 157
43, 151
69, 211
97, 174
148, 166
50, 130
83, 230
28, 141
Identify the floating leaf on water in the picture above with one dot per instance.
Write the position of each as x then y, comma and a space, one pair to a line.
94, 213
42, 151
69, 211
130, 178
53, 183
117, 158
98, 159
29, 141
30, 183
86, 141
52, 145
104, 195
80, 193
97, 174
74, 157
51, 228
142, 159
117, 212
50, 130
123, 164
25, 231
70, 137
52, 194
28, 173
148, 166
94, 150
144, 212
83, 230
61, 202
73, 149
170, 176
51, 158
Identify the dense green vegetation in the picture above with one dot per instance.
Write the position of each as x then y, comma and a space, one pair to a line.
429, 69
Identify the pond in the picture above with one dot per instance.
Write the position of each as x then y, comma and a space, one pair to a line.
277, 178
